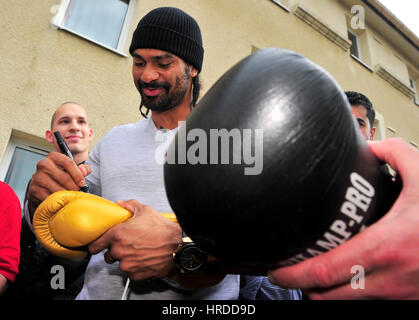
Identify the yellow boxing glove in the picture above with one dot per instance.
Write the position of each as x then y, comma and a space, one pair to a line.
67, 221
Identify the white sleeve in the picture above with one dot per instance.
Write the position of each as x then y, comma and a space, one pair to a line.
93, 179
27, 215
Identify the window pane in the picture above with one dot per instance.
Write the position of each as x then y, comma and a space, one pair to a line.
354, 46
21, 169
413, 86
100, 20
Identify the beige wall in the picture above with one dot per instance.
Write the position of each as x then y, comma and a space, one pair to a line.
385, 54
43, 67
331, 12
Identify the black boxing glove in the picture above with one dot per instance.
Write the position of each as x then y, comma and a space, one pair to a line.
313, 182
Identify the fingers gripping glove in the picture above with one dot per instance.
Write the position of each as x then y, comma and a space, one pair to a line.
67, 221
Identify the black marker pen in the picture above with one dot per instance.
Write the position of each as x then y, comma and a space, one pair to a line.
65, 150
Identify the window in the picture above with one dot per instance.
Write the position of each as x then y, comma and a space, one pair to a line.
19, 164
359, 48
283, 4
104, 22
355, 50
380, 132
413, 86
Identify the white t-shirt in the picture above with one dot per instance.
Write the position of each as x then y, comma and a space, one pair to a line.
127, 163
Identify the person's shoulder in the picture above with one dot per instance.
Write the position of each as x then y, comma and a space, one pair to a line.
118, 132
10, 197
6, 191
121, 135
4, 187
126, 128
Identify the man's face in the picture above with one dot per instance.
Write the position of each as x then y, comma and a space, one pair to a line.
360, 114
71, 121
162, 78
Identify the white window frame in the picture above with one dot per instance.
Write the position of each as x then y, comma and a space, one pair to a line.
283, 4
57, 22
10, 149
359, 57
380, 131
413, 86
17, 142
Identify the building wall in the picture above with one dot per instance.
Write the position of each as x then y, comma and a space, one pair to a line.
43, 67
331, 12
384, 53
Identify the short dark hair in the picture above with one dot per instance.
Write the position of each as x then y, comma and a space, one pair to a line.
356, 99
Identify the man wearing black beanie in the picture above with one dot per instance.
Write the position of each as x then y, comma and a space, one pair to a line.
175, 32
139, 258
167, 55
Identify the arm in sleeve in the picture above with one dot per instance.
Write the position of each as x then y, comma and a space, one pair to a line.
93, 179
10, 225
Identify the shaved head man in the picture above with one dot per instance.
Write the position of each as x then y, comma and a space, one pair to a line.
70, 119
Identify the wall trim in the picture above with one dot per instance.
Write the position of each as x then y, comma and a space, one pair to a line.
316, 23
394, 81
362, 63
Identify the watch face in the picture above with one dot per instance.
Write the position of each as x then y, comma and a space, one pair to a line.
191, 257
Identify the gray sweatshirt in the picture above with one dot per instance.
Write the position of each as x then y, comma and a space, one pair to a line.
127, 163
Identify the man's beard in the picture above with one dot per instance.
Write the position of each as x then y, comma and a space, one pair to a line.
171, 98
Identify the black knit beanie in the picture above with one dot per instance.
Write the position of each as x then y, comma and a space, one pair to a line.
172, 30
